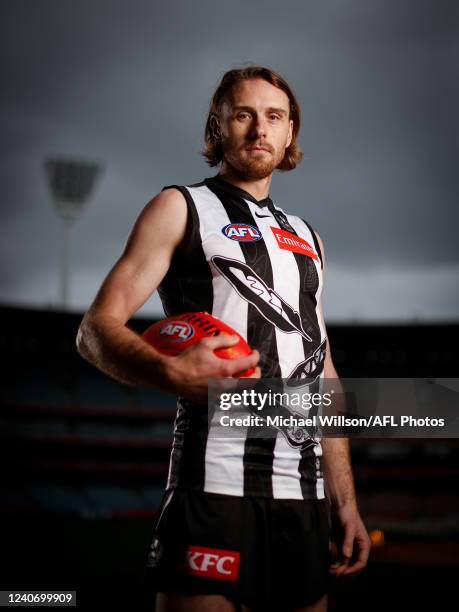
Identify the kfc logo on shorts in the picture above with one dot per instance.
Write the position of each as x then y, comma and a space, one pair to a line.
177, 331
212, 563
242, 232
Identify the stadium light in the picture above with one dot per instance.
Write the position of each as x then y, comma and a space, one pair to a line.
71, 182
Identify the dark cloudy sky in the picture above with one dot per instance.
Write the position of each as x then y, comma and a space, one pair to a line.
128, 84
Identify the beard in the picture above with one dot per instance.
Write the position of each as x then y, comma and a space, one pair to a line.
251, 165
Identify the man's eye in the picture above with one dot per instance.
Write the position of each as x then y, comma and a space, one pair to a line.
274, 117
243, 115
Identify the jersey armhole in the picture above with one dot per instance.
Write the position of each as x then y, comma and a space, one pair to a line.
192, 221
316, 242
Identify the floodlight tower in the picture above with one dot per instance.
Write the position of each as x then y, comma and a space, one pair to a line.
71, 182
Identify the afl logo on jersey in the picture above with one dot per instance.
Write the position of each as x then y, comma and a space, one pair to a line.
242, 232
177, 331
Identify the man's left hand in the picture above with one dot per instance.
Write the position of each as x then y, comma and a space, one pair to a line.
352, 541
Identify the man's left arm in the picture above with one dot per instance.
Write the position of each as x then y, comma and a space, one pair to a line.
350, 533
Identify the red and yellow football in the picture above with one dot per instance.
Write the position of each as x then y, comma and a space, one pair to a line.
173, 335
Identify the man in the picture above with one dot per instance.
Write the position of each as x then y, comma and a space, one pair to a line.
243, 522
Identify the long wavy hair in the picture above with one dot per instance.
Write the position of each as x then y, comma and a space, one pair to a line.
213, 151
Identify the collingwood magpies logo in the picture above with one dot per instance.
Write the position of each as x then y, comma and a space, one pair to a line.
155, 553
277, 311
253, 289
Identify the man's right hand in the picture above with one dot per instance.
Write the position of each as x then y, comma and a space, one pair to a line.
187, 374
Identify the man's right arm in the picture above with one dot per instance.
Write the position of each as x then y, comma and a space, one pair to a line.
103, 337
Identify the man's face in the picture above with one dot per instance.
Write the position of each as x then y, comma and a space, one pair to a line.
255, 128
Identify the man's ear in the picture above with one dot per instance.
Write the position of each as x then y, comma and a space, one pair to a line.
290, 134
215, 127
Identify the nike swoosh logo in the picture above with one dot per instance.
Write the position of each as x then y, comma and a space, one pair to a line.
262, 216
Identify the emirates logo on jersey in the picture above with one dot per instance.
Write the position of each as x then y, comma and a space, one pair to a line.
212, 563
291, 242
177, 331
241, 232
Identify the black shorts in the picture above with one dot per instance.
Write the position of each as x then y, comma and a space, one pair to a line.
260, 552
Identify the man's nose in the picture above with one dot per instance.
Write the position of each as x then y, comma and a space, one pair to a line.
258, 127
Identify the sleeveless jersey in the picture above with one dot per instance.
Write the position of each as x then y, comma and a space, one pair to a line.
259, 270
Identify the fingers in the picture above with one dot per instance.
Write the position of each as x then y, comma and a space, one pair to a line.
230, 367
220, 341
339, 567
355, 568
256, 373
233, 366
348, 569
344, 567
348, 541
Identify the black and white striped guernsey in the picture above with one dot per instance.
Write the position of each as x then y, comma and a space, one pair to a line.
259, 270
